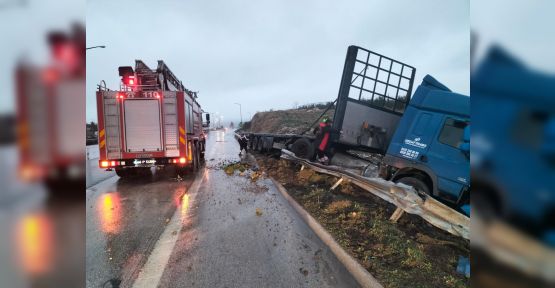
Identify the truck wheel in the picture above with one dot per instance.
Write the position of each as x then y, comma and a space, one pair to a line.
199, 158
485, 205
259, 144
123, 173
415, 183
194, 166
254, 143
303, 148
203, 152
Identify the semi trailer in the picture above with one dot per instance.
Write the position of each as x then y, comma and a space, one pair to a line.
152, 120
421, 141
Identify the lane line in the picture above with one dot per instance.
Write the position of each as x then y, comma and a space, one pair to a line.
154, 267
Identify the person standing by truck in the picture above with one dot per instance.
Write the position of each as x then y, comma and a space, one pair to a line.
322, 143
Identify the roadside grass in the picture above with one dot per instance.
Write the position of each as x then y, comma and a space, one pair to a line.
394, 253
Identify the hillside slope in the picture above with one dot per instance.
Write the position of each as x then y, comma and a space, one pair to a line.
293, 121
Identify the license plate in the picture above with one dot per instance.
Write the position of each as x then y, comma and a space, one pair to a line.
139, 162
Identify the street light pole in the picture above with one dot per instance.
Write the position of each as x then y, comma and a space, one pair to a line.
240, 113
99, 46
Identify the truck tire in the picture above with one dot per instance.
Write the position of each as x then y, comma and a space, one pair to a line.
486, 205
194, 166
133, 172
199, 157
259, 144
415, 183
123, 173
303, 148
254, 143
202, 151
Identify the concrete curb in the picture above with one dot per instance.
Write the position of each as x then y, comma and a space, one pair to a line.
361, 275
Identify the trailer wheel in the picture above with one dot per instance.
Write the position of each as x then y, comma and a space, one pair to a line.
252, 142
415, 183
303, 148
259, 144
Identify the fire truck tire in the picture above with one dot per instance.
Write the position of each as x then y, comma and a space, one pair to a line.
303, 148
199, 156
123, 173
194, 166
202, 152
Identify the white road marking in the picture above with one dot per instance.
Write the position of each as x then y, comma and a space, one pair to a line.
154, 267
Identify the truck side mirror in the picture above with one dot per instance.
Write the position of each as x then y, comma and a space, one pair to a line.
207, 117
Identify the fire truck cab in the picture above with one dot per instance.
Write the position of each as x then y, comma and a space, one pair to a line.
152, 120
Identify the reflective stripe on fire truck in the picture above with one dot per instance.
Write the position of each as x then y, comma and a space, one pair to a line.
182, 135
102, 141
190, 152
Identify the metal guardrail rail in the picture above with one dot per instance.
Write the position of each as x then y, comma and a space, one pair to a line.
405, 198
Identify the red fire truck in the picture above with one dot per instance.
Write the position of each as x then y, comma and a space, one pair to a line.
152, 120
49, 128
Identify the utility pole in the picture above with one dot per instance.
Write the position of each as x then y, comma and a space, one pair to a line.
240, 113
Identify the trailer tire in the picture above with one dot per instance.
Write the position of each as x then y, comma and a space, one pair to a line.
303, 148
254, 143
259, 144
418, 185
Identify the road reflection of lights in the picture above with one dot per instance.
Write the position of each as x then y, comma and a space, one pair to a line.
220, 135
178, 195
35, 243
109, 212
184, 206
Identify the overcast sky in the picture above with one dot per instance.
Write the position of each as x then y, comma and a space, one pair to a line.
272, 54
24, 25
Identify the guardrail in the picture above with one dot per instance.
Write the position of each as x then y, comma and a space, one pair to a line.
405, 198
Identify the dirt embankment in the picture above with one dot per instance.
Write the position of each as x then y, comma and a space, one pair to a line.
293, 121
409, 253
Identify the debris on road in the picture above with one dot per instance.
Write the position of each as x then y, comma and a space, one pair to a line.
258, 212
238, 166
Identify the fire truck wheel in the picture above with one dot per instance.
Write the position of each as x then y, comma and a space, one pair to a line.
199, 156
123, 173
194, 166
203, 152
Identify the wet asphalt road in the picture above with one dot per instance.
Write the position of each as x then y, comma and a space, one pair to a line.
203, 231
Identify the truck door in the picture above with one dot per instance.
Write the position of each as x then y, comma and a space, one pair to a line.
448, 160
417, 140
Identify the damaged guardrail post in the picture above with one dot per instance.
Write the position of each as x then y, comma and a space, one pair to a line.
337, 183
396, 215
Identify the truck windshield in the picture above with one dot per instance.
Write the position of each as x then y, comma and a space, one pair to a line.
452, 132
